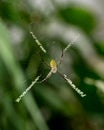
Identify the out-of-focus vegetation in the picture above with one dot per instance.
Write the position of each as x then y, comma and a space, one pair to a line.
52, 105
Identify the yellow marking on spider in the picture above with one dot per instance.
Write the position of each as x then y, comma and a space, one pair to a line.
53, 63
53, 66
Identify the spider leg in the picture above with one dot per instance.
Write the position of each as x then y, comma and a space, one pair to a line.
61, 58
46, 63
81, 93
48, 76
63, 52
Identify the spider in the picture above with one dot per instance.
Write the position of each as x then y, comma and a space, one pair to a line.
53, 69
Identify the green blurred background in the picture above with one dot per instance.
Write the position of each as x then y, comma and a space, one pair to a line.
52, 105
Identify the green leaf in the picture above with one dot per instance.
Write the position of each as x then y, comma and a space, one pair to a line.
79, 17
6, 53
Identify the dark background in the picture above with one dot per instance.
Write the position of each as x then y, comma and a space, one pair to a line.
52, 105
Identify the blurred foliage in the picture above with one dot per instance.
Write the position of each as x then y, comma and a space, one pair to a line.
79, 17
53, 104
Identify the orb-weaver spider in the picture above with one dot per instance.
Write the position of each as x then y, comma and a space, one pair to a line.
53, 69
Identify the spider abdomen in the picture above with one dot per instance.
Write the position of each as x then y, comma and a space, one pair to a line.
53, 66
